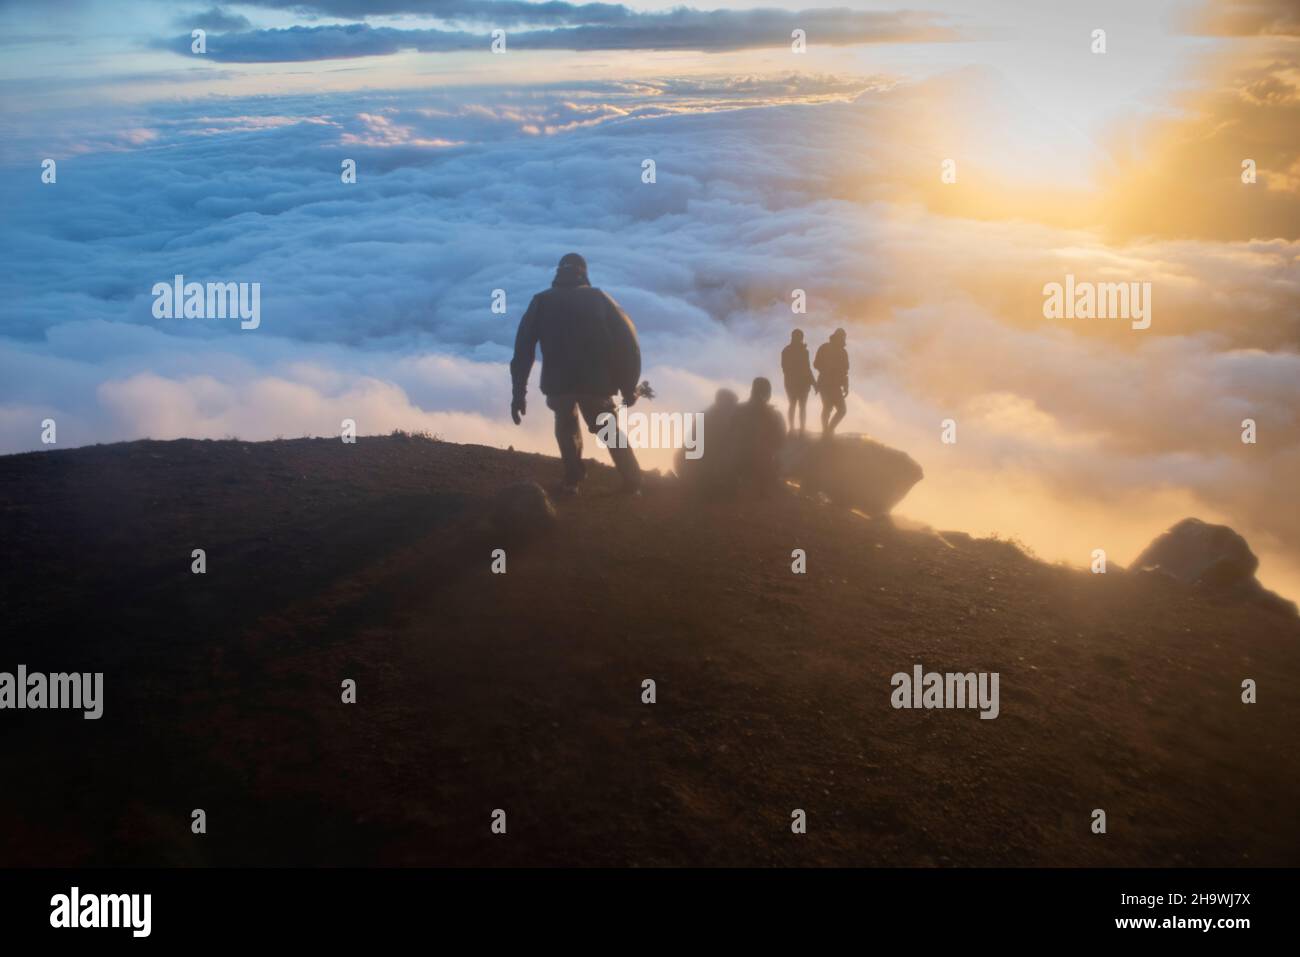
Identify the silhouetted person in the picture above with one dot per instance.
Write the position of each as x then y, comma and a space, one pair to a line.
713, 473
832, 365
589, 352
759, 433
798, 377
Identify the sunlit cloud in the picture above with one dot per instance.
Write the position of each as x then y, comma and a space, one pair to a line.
773, 174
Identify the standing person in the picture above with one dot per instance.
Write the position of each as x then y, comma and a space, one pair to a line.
589, 352
798, 378
832, 364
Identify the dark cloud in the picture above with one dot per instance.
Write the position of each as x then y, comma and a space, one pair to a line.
214, 19
679, 29
503, 13
297, 44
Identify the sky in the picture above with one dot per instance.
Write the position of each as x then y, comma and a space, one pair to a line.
775, 170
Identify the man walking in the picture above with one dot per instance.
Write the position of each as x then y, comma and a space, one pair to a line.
832, 364
589, 352
798, 378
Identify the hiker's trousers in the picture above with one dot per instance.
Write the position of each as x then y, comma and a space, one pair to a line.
568, 433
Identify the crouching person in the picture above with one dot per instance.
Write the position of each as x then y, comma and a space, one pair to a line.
759, 434
713, 474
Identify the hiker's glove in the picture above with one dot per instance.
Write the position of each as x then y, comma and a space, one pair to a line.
518, 408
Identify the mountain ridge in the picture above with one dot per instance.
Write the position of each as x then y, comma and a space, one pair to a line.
523, 691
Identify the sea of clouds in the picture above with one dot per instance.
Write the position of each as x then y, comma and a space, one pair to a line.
376, 296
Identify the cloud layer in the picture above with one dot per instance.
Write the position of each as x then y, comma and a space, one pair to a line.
376, 296
572, 27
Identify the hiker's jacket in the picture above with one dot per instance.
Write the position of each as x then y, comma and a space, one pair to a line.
794, 367
589, 344
833, 363
759, 429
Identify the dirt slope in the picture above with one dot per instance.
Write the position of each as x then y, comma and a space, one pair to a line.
523, 691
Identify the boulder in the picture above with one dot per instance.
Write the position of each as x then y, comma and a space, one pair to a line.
853, 471
1213, 557
522, 511
1197, 553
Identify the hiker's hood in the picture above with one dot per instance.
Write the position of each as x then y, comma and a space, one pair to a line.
572, 271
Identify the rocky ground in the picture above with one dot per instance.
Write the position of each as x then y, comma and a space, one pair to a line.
523, 691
